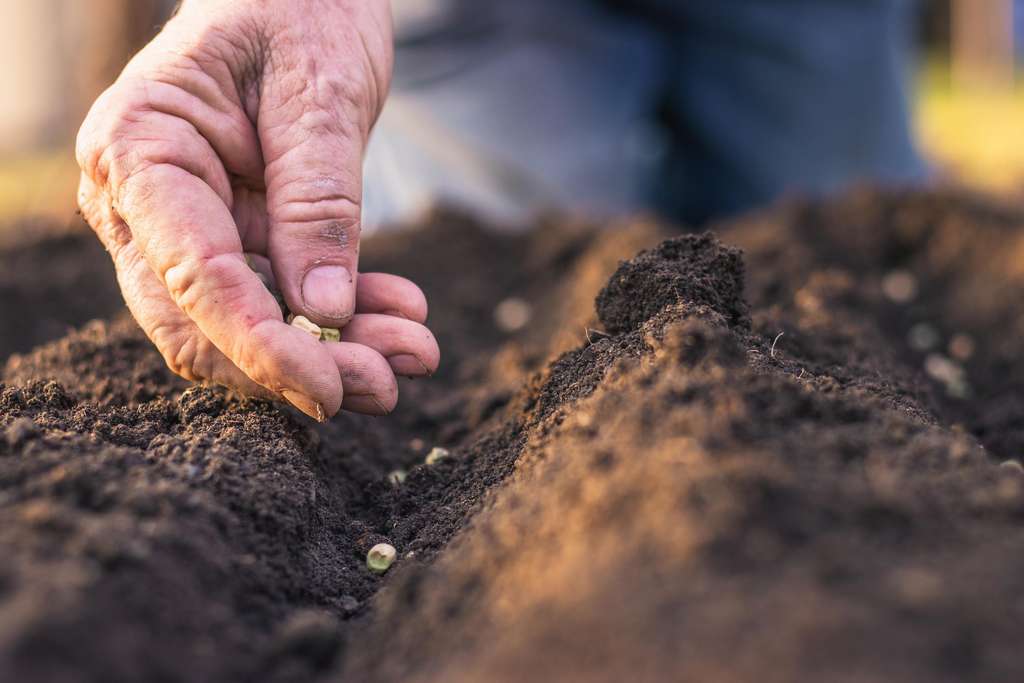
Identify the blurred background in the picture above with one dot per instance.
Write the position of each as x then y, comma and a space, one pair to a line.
60, 54
968, 106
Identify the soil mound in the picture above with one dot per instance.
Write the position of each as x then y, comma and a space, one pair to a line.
788, 490
693, 270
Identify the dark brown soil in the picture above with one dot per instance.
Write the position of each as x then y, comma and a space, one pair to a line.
50, 284
672, 492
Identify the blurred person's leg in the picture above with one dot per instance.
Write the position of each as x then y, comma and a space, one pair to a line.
773, 96
515, 107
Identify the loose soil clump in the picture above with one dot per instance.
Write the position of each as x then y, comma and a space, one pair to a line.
664, 490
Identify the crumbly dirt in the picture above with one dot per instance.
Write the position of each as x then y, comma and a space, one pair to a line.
744, 465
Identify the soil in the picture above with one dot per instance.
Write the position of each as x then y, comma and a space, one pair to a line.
742, 465
51, 283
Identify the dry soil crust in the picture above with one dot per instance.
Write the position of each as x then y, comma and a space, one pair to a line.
679, 494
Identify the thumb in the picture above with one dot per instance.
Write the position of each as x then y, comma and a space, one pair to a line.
313, 143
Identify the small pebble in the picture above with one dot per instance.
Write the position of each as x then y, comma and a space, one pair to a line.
900, 286
304, 323
512, 314
381, 557
436, 455
942, 369
923, 337
961, 347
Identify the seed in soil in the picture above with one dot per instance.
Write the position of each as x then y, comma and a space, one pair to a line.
381, 557
304, 323
961, 347
396, 477
900, 286
512, 314
330, 334
436, 455
941, 368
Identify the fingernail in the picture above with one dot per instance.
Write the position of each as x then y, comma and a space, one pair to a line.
328, 291
408, 365
367, 405
306, 405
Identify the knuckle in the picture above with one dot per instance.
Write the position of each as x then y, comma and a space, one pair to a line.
327, 234
348, 89
317, 121
89, 142
187, 279
179, 349
183, 361
111, 123
322, 208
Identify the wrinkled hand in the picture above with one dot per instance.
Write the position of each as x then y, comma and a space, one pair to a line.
241, 130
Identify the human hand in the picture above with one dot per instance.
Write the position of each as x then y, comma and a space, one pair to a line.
241, 130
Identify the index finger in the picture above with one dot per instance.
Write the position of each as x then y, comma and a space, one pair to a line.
189, 239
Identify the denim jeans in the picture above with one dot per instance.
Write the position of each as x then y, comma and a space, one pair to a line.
695, 109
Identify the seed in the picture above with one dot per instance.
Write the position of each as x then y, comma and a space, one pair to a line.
942, 369
381, 557
330, 334
512, 314
961, 347
436, 455
396, 477
900, 286
304, 323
